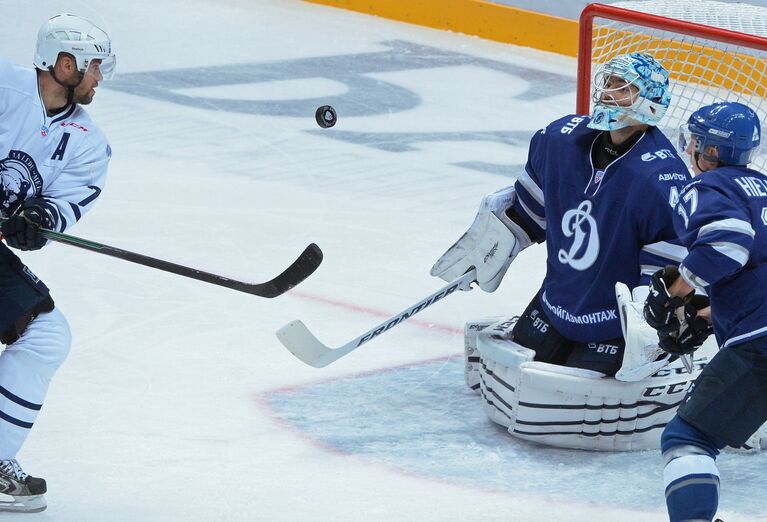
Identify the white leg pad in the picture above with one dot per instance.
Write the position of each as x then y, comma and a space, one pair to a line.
470, 353
573, 407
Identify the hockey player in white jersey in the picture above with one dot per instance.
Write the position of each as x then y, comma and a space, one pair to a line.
722, 219
53, 163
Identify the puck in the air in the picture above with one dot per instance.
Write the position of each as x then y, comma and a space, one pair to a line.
325, 116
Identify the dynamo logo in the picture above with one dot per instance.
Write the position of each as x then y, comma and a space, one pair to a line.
582, 227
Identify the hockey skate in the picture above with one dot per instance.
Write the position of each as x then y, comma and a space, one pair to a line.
27, 492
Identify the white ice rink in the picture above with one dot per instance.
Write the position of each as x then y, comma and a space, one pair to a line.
178, 402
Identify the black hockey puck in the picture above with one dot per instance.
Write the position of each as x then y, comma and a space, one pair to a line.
325, 116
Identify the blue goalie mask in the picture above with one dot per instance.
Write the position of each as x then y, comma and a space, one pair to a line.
726, 133
629, 89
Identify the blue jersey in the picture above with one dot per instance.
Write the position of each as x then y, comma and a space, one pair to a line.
722, 219
600, 226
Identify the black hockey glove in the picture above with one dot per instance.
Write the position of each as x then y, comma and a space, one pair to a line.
680, 330
22, 229
691, 336
660, 308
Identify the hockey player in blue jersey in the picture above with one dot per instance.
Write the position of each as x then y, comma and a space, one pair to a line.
53, 163
722, 219
599, 191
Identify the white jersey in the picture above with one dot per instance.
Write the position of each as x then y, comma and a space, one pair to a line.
59, 160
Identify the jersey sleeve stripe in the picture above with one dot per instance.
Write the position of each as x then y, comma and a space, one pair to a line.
666, 250
734, 251
540, 221
649, 269
531, 187
76, 211
691, 278
741, 337
730, 225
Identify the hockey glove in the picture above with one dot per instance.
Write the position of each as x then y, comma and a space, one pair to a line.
489, 245
22, 229
689, 338
680, 329
660, 309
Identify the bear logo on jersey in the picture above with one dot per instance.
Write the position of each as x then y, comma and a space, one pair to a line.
19, 180
579, 224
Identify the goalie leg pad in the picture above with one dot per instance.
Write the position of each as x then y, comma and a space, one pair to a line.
498, 370
574, 407
470, 354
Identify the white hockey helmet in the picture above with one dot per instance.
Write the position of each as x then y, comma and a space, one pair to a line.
78, 36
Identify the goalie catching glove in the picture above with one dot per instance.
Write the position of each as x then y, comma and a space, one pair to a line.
489, 245
22, 229
680, 329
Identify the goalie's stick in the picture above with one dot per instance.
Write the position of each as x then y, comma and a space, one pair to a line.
299, 270
297, 338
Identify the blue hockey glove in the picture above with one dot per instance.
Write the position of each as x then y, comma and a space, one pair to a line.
22, 229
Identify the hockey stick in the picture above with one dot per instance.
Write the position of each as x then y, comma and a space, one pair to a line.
299, 270
297, 338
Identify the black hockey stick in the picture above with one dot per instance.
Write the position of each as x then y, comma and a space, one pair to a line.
299, 270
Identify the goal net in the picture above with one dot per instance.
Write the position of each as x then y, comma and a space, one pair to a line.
714, 51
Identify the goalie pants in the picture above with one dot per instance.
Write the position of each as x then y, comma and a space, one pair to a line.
37, 340
535, 331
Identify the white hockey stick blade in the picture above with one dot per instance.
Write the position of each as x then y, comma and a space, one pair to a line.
297, 338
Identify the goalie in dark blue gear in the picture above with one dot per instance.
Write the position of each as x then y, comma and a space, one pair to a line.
720, 219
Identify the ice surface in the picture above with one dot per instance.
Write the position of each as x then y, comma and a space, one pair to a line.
178, 402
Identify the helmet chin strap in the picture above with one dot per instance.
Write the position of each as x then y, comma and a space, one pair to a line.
710, 159
70, 88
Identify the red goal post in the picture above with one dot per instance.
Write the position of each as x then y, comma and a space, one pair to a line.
714, 51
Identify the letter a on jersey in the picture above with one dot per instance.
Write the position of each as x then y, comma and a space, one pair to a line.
58, 154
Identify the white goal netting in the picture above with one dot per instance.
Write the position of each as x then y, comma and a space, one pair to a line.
726, 65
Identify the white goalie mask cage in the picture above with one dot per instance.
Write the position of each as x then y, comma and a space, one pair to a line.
78, 37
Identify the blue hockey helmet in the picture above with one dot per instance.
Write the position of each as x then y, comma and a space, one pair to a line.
732, 128
641, 94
